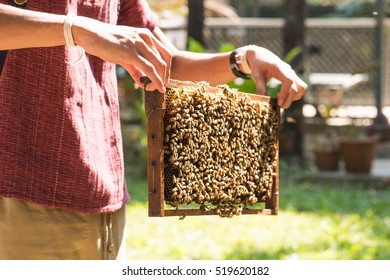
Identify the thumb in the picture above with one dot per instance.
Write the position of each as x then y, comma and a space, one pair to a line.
260, 82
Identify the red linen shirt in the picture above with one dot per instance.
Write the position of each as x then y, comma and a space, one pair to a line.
60, 137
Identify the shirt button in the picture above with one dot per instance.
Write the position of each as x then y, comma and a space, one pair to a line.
111, 248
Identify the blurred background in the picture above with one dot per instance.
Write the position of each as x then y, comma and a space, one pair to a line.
328, 208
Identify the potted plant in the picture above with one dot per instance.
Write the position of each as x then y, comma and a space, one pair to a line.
358, 150
327, 152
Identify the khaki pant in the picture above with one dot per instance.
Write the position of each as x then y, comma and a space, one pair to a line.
30, 231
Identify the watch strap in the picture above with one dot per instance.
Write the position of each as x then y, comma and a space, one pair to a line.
235, 68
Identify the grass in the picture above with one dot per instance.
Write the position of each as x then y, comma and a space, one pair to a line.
315, 221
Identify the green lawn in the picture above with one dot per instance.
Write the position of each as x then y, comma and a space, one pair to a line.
315, 221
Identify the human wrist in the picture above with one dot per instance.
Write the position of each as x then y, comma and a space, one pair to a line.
244, 65
242, 59
238, 62
68, 35
69, 38
78, 29
86, 31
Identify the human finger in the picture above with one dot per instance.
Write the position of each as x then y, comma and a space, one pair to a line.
260, 82
137, 75
291, 89
153, 66
286, 93
302, 88
142, 53
163, 52
166, 55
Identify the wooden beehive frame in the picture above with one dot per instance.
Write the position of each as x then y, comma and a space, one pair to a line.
155, 109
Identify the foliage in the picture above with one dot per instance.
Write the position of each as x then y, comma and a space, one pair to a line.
320, 220
195, 46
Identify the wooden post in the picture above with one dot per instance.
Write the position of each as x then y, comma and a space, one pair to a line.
380, 125
195, 20
293, 36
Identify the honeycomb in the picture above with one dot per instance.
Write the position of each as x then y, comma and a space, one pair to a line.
219, 148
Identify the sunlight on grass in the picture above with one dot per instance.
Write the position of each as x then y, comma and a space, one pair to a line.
312, 224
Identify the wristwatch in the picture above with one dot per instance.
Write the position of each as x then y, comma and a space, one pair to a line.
238, 61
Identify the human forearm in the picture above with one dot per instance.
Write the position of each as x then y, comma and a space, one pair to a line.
26, 29
190, 66
263, 64
134, 48
213, 68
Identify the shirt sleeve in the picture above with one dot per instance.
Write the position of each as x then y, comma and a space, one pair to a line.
137, 13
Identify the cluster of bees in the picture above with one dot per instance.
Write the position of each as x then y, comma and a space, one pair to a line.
219, 149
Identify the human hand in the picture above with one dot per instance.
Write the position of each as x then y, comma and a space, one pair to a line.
266, 65
136, 49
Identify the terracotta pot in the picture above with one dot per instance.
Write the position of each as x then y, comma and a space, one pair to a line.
286, 142
358, 154
327, 159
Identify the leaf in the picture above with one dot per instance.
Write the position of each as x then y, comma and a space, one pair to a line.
195, 46
292, 54
273, 92
226, 47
